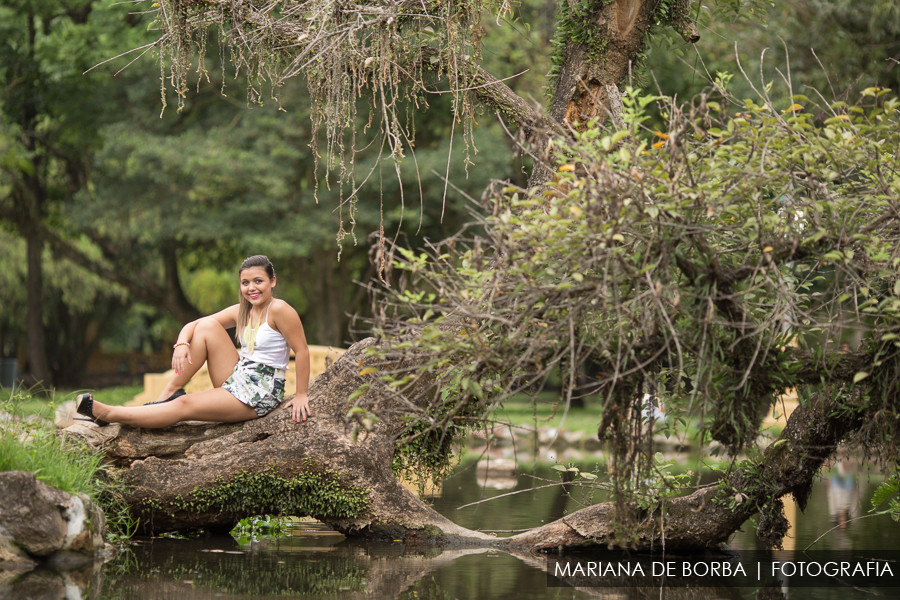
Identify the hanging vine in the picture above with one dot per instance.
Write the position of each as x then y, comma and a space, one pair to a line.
388, 52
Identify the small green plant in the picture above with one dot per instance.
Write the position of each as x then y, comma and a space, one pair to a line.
253, 529
888, 493
660, 483
568, 473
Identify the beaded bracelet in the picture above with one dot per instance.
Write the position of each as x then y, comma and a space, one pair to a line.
188, 344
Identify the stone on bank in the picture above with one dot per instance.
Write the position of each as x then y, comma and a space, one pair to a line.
43, 525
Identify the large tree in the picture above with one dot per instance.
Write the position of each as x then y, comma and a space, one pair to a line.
713, 262
736, 259
53, 108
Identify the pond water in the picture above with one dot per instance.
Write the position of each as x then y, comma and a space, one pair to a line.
313, 562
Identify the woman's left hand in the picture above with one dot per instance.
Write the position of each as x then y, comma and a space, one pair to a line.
299, 406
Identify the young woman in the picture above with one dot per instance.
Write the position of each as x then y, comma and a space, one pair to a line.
247, 384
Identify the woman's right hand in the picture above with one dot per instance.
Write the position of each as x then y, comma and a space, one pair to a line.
181, 358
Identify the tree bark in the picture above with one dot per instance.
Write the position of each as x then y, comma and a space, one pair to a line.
589, 76
37, 348
177, 300
173, 473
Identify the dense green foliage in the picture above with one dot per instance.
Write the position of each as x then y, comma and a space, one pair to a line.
126, 194
887, 497
732, 250
713, 264
832, 47
49, 119
146, 215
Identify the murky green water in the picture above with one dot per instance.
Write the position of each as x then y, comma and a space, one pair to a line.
313, 562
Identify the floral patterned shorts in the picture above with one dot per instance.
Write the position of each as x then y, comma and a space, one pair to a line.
259, 386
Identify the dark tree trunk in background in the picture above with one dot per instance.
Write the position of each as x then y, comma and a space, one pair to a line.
175, 299
37, 348
30, 200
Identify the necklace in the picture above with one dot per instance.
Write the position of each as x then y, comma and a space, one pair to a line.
250, 331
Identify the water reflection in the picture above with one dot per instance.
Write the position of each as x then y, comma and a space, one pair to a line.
46, 583
311, 562
319, 564
843, 493
314, 562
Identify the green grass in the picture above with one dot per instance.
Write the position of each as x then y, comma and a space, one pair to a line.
23, 401
28, 444
113, 395
34, 447
548, 412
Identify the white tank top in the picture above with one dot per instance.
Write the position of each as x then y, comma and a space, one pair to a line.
270, 347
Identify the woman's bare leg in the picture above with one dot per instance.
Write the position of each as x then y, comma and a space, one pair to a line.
210, 343
217, 405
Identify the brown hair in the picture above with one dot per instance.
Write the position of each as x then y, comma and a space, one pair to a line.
257, 260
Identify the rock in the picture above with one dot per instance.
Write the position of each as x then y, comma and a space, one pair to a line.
574, 438
548, 435
31, 513
38, 522
12, 557
496, 473
86, 525
496, 466
46, 584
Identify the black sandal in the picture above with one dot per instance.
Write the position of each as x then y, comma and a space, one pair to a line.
177, 394
84, 405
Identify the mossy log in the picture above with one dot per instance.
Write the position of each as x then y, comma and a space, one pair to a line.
209, 476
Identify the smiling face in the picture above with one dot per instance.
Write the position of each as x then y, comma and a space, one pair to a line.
256, 286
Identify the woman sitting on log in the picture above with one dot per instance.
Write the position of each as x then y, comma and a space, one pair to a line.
247, 385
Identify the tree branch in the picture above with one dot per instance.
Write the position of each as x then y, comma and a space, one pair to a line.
140, 287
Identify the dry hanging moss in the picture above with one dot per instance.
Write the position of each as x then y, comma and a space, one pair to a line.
389, 52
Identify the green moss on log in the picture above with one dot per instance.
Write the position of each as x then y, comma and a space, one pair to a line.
314, 493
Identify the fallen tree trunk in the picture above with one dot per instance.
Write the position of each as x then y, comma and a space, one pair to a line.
210, 476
